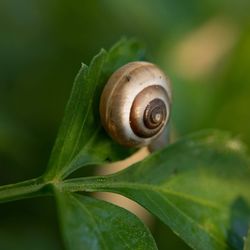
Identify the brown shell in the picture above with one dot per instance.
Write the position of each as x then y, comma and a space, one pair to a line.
136, 103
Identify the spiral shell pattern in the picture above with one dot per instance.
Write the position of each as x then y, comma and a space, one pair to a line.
135, 104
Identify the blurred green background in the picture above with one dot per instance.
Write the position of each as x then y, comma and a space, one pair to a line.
204, 46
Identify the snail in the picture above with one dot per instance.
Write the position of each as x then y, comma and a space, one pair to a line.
135, 104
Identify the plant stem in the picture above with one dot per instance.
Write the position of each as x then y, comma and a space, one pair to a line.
87, 184
22, 190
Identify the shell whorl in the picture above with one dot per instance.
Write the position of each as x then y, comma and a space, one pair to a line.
135, 104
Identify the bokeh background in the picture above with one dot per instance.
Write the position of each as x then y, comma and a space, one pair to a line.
204, 46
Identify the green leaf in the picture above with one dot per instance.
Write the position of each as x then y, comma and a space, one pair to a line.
247, 242
88, 224
198, 186
81, 139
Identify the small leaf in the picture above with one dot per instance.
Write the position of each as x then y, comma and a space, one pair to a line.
88, 224
198, 186
81, 139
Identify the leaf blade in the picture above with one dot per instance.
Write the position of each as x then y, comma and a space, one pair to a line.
199, 187
81, 139
88, 223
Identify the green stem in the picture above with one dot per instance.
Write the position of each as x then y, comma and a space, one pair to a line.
40, 187
86, 184
22, 190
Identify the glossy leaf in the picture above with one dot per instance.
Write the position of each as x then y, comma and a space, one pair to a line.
81, 139
198, 186
88, 224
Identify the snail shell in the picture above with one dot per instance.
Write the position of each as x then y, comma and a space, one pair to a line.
135, 104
